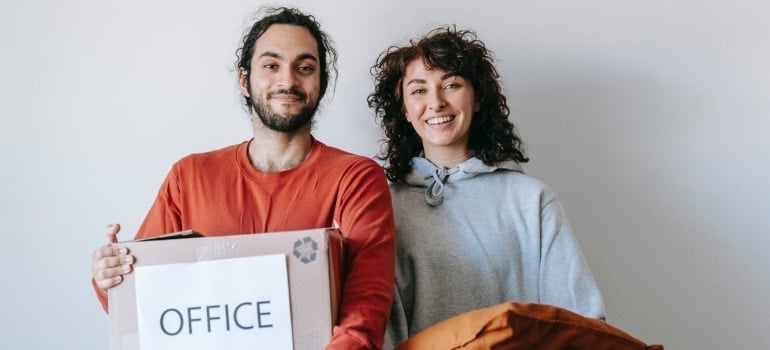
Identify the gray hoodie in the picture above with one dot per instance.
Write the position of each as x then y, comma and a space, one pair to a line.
474, 236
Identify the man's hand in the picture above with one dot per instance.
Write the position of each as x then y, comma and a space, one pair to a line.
110, 262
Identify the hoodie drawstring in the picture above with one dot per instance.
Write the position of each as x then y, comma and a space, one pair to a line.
434, 194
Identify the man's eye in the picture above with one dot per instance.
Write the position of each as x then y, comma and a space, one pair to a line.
270, 66
306, 69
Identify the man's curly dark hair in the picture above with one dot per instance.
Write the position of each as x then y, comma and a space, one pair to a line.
492, 137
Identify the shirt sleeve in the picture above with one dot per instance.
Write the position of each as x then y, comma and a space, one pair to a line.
365, 214
101, 296
163, 217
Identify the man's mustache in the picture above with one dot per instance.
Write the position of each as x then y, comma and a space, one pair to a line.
295, 92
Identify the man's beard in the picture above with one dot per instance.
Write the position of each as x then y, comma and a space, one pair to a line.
285, 123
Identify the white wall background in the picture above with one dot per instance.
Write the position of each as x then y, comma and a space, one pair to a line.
649, 118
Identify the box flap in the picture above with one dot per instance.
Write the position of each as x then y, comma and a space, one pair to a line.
172, 235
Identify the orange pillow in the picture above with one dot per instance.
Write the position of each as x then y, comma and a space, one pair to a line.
523, 326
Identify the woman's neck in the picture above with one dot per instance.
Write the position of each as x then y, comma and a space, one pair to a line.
447, 158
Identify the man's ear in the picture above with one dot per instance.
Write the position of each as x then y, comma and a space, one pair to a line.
243, 82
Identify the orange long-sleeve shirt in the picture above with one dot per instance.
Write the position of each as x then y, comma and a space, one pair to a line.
220, 193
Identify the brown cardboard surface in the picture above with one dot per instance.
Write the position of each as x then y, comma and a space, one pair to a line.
315, 281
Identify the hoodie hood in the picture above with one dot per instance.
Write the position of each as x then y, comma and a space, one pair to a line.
426, 174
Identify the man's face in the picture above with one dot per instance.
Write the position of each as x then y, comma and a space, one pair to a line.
285, 80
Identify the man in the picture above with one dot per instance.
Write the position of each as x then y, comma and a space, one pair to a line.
282, 179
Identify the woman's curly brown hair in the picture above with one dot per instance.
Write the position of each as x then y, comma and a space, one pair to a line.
492, 137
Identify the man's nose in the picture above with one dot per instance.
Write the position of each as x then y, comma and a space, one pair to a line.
287, 78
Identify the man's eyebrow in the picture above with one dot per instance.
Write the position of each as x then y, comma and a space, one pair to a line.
307, 56
271, 54
304, 56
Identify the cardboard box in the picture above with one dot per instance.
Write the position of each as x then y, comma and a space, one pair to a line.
314, 260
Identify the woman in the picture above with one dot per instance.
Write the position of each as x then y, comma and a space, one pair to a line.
472, 229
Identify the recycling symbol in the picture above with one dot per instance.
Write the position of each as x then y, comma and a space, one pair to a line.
305, 249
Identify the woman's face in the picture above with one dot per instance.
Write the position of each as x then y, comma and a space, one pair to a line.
439, 106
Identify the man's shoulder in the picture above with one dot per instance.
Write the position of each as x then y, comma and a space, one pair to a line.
334, 155
224, 154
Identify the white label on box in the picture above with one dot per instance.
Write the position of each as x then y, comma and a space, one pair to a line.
240, 303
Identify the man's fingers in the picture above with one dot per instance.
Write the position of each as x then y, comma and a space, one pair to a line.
112, 272
110, 262
108, 277
106, 251
112, 233
109, 283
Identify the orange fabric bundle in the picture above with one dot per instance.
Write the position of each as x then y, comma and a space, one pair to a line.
523, 326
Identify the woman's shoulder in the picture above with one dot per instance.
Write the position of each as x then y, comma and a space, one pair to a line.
520, 183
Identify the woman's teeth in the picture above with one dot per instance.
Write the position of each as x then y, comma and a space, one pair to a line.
440, 120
